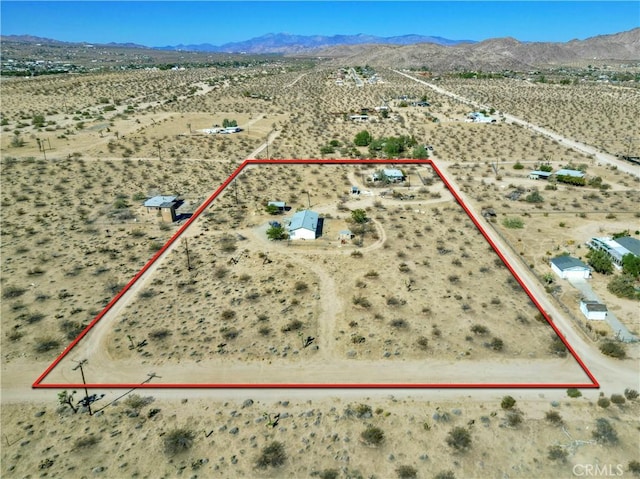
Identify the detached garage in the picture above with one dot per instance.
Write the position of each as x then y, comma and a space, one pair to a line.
593, 310
567, 267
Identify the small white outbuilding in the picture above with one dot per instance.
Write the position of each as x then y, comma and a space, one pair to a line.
593, 310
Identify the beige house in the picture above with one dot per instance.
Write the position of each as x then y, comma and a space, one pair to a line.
164, 205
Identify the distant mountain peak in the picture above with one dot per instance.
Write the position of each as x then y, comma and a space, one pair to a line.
292, 43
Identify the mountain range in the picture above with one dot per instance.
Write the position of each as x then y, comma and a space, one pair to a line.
287, 44
406, 51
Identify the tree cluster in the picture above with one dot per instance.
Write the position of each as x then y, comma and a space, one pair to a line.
391, 146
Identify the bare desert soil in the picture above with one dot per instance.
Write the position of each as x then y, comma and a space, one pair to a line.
74, 232
318, 436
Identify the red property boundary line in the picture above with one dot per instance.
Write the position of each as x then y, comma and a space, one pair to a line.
38, 383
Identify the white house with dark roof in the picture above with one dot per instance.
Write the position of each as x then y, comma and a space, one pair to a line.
593, 310
305, 225
567, 267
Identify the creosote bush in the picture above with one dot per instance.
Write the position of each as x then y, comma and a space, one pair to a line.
272, 455
612, 349
372, 436
557, 453
178, 441
604, 433
407, 472
554, 417
459, 439
573, 393
507, 402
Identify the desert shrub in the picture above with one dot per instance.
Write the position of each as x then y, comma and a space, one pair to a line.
604, 402
71, 329
618, 399
393, 301
604, 433
85, 442
178, 441
228, 314
496, 344
534, 197
518, 166
301, 286
147, 293
155, 246
573, 393
363, 410
293, 325
514, 418
630, 394
623, 286
615, 350
264, 331
220, 272
229, 333
634, 468
135, 401
371, 274
120, 204
399, 324
479, 329
372, 436
557, 347
459, 439
507, 402
272, 455
361, 301
12, 291
44, 344
422, 342
407, 472
557, 453
31, 317
445, 475
513, 223
554, 417
228, 244
159, 334
329, 474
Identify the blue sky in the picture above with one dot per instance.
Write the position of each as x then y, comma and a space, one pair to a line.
154, 23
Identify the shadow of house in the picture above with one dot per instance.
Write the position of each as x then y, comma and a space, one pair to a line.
165, 206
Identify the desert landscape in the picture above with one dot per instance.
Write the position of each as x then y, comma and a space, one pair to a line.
399, 287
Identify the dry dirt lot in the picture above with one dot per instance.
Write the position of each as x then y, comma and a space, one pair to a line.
74, 232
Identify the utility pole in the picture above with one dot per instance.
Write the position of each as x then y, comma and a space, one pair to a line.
86, 392
158, 145
309, 199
